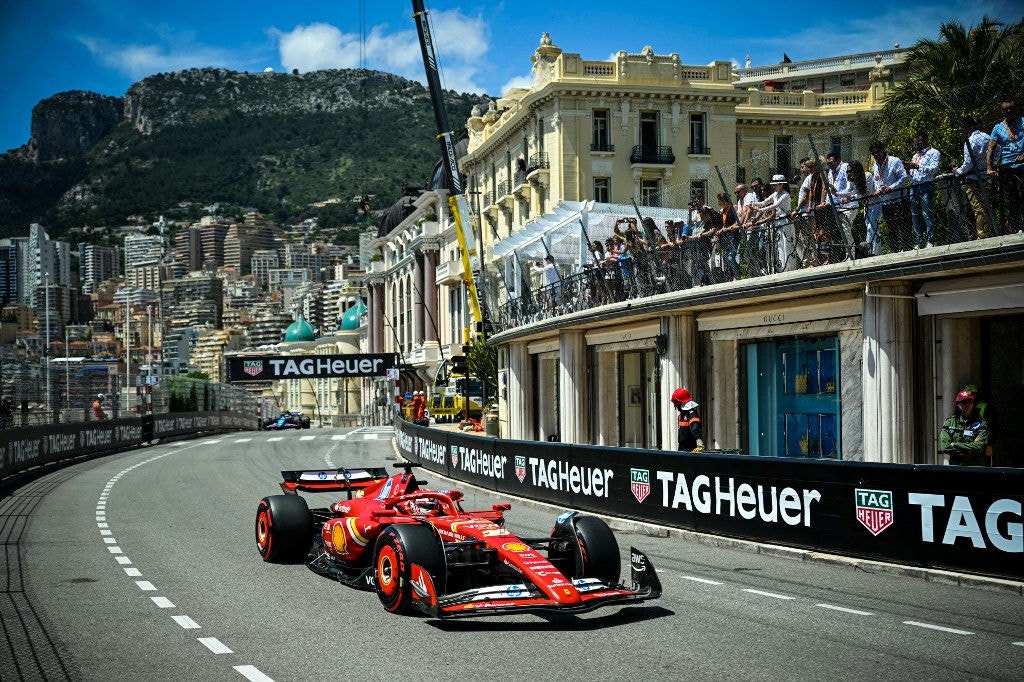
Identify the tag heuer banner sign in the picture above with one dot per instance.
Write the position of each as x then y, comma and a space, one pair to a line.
277, 367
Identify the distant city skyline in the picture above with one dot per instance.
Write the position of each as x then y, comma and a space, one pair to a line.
106, 45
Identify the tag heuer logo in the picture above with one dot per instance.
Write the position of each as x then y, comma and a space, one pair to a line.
521, 467
455, 455
640, 483
252, 367
874, 509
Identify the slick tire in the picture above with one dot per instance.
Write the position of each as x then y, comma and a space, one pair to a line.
304, 422
398, 548
598, 551
284, 528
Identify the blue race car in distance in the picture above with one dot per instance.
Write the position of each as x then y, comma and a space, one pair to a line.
287, 420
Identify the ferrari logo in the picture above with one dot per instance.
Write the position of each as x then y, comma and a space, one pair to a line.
640, 483
874, 509
521, 468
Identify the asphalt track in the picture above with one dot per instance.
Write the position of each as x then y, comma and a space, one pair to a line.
142, 566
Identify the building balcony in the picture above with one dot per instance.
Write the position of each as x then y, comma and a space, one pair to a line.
643, 154
448, 272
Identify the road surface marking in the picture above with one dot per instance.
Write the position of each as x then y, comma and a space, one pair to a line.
145, 586
846, 610
369, 436
274, 439
114, 549
163, 602
252, 673
132, 572
1018, 643
940, 628
110, 541
186, 622
773, 595
306, 437
338, 436
242, 440
212, 442
214, 645
701, 580
122, 560
102, 524
106, 532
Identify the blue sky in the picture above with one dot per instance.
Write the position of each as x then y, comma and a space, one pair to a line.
484, 46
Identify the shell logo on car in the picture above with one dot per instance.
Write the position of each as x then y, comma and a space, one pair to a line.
515, 547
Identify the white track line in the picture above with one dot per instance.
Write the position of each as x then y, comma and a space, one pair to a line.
214, 645
773, 595
163, 602
846, 610
940, 628
274, 439
700, 580
186, 622
306, 437
146, 586
252, 673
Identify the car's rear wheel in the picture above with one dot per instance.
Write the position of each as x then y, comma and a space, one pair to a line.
284, 528
304, 422
398, 548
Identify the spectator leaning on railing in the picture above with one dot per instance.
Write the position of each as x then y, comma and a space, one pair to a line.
890, 177
973, 172
1006, 162
923, 167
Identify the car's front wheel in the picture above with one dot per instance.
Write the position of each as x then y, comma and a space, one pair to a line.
284, 528
398, 548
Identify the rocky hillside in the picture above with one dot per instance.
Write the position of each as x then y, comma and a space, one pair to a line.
276, 142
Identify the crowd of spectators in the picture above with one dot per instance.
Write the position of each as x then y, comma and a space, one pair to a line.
840, 211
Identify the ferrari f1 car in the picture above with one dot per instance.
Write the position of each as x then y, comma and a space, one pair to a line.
287, 420
421, 551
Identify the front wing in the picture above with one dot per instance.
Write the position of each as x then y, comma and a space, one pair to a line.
523, 598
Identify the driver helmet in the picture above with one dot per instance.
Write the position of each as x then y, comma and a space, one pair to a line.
680, 396
101, 396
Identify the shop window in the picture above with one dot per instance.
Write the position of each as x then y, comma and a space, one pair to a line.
793, 398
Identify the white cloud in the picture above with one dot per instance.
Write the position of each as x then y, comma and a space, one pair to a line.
462, 43
138, 60
516, 82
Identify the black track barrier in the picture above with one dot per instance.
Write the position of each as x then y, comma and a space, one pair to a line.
25, 448
960, 518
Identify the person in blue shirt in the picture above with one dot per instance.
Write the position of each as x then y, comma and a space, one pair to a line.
1006, 164
923, 167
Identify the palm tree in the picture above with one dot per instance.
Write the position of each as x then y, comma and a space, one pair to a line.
966, 72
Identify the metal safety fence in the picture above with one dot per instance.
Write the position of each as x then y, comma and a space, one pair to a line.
664, 249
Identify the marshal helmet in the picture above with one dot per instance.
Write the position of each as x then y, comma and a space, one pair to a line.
680, 396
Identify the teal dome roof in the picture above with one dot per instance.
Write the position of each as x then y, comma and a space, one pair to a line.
350, 320
300, 330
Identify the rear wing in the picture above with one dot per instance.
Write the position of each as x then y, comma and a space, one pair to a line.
331, 480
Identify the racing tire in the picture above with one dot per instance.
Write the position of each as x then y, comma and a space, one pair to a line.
598, 555
304, 422
398, 548
284, 528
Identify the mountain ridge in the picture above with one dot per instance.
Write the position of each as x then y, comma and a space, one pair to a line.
272, 141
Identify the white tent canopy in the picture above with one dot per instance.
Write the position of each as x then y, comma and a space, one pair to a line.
564, 232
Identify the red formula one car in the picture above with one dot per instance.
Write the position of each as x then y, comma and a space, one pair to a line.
422, 552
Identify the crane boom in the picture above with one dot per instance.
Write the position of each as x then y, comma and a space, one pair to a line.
457, 200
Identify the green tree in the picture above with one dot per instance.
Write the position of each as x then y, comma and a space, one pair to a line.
482, 362
965, 72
